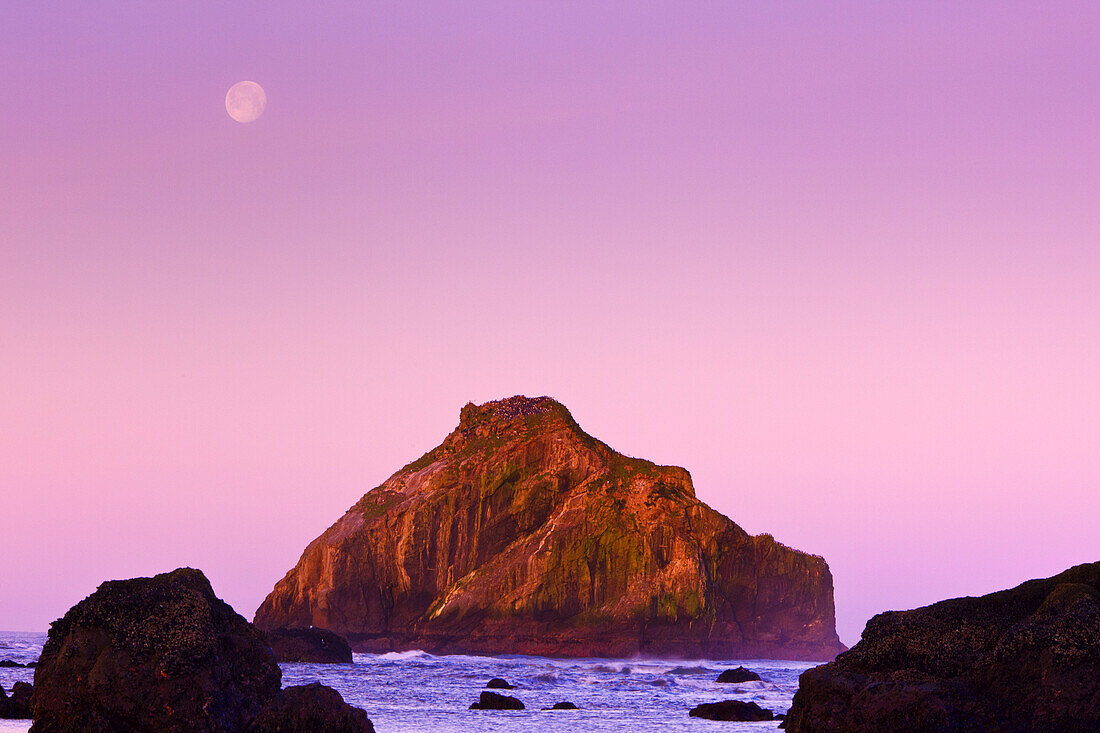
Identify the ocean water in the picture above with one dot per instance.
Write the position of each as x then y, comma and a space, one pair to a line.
415, 692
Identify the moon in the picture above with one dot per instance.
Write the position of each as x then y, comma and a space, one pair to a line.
245, 101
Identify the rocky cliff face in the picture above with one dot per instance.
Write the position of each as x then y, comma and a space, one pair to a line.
522, 534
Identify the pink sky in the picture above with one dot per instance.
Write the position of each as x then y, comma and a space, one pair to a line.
842, 264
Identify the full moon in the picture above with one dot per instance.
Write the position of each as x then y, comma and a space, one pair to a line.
245, 101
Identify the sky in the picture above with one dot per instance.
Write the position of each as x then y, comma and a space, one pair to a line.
839, 260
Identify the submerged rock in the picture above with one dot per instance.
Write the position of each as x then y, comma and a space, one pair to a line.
521, 533
496, 701
153, 654
733, 676
10, 663
311, 708
498, 684
1017, 661
317, 646
566, 705
731, 710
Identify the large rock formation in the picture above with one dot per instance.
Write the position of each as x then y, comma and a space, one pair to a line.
520, 533
1016, 661
157, 654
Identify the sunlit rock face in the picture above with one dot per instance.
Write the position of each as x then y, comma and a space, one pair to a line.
522, 534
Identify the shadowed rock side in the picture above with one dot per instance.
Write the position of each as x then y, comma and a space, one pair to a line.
523, 534
1017, 661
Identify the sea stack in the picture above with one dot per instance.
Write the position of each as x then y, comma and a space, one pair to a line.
523, 534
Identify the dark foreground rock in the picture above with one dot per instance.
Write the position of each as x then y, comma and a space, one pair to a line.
317, 646
1017, 661
311, 708
731, 710
18, 706
522, 534
154, 654
733, 676
498, 684
495, 701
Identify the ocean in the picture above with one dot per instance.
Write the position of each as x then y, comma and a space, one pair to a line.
416, 692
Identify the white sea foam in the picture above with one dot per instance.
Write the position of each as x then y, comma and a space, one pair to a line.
410, 654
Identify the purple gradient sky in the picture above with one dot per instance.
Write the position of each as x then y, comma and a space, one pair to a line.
843, 264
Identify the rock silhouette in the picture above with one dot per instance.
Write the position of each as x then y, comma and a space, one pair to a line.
733, 676
18, 706
731, 710
311, 708
1016, 661
496, 701
157, 654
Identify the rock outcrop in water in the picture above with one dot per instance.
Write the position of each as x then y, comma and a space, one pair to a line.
520, 533
311, 708
18, 706
316, 646
158, 654
735, 676
1017, 661
731, 710
496, 701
